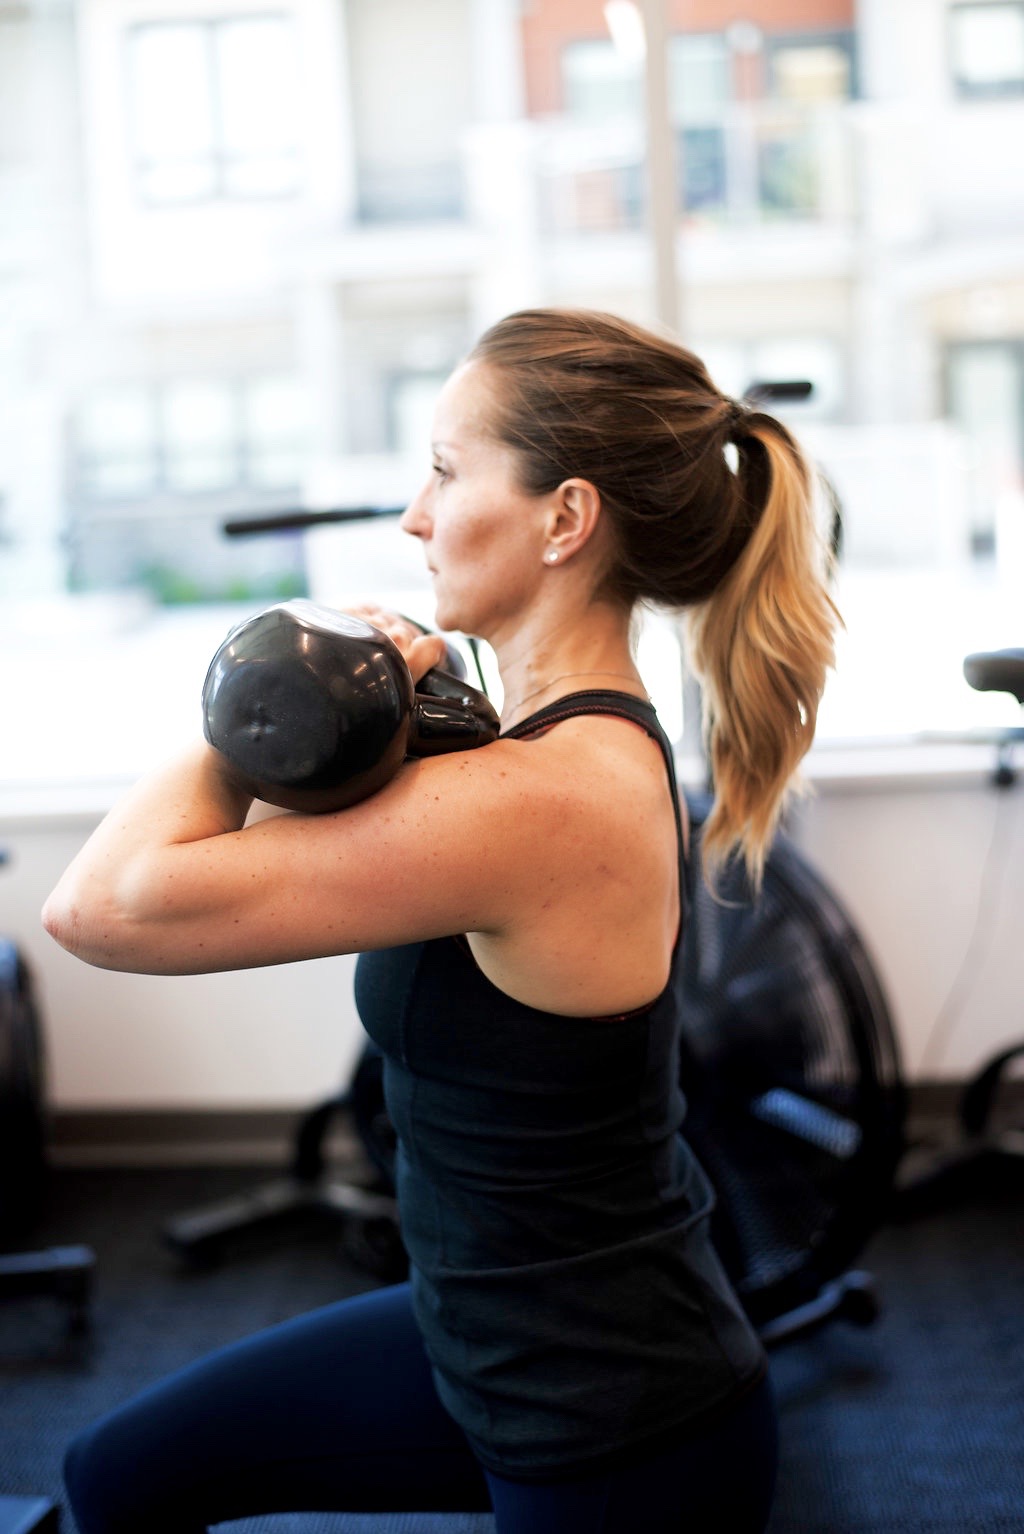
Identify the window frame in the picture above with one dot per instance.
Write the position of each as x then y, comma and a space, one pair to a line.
162, 489
220, 158
969, 91
845, 38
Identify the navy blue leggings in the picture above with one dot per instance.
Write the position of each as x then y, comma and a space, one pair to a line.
336, 1411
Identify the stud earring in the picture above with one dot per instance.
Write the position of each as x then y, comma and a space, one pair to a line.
551, 557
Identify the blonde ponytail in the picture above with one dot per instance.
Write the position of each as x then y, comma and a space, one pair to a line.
761, 646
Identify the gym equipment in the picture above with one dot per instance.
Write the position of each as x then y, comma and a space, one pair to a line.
299, 518
997, 671
982, 1137
315, 709
796, 1105
359, 1202
22, 1155
65, 1272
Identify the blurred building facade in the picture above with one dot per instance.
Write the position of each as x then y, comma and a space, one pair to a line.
242, 242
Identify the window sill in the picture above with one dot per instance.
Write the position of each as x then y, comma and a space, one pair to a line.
831, 768
107, 689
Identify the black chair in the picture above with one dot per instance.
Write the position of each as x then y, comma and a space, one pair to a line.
64, 1272
358, 1202
995, 671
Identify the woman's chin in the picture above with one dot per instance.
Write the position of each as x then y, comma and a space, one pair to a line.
446, 616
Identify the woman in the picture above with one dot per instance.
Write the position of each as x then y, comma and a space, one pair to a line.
568, 1349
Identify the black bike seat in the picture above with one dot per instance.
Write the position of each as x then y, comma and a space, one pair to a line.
996, 671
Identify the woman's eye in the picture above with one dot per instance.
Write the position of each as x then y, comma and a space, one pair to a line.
441, 472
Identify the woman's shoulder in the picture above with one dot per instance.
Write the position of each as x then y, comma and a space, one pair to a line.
600, 753
595, 911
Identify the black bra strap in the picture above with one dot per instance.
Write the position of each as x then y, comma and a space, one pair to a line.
620, 705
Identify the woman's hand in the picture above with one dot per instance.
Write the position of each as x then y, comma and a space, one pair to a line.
420, 651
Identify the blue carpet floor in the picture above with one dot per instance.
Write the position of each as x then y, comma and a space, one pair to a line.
914, 1425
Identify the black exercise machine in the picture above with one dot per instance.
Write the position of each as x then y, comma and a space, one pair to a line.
63, 1272
357, 1201
986, 1131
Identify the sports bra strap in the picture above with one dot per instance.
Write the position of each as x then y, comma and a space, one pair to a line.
620, 705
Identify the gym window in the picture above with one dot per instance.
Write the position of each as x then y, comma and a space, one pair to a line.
987, 49
157, 470
189, 437
213, 109
811, 68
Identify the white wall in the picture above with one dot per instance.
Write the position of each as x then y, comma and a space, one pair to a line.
267, 1038
916, 865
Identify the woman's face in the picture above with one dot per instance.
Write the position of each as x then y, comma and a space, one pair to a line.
483, 536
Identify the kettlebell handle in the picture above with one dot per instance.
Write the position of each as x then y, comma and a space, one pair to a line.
449, 715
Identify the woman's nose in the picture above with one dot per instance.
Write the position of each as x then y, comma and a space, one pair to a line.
414, 519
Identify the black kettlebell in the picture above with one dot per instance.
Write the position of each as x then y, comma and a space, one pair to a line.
315, 709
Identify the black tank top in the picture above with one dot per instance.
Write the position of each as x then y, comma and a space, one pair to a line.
571, 1303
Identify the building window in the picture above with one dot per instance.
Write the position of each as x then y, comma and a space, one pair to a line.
213, 109
700, 91
116, 445
200, 438
985, 397
811, 68
738, 156
411, 398
987, 49
274, 432
599, 81
602, 83
156, 471
411, 78
699, 77
190, 438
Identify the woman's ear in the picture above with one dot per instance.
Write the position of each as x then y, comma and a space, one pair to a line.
573, 517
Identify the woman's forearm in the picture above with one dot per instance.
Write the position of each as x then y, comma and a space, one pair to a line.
126, 869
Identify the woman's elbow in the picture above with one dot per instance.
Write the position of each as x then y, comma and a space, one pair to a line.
62, 916
83, 927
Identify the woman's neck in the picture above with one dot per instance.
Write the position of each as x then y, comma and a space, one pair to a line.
593, 650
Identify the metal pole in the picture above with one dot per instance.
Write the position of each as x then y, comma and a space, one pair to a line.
662, 188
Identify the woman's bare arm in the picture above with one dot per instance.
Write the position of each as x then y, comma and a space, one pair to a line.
174, 881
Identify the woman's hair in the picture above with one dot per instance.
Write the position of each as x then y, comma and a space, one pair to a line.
592, 396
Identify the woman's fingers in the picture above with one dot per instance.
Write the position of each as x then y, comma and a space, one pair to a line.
426, 651
420, 651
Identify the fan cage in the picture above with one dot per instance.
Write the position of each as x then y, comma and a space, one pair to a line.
791, 1068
